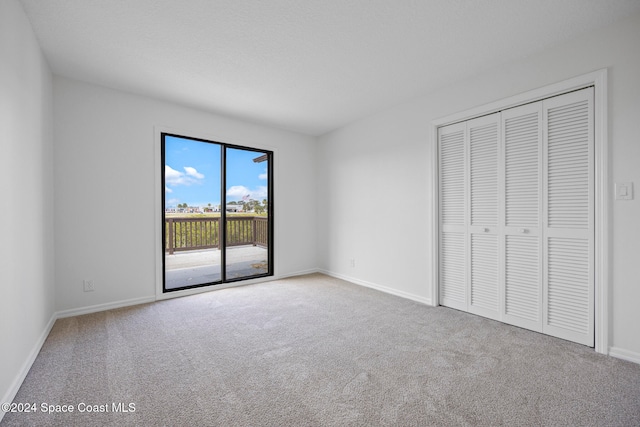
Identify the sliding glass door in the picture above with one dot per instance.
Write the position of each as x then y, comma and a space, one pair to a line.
217, 212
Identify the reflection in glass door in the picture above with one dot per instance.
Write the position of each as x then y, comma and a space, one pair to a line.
247, 213
216, 213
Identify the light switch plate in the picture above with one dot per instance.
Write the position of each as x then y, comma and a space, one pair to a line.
624, 190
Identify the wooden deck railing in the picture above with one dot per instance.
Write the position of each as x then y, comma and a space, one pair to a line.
187, 234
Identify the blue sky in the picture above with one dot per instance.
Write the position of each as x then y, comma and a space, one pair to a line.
192, 173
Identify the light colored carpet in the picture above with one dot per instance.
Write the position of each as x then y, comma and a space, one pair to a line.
317, 351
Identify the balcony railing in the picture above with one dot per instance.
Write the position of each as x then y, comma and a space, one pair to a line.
187, 234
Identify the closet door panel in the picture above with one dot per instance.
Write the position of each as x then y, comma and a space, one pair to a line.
569, 217
522, 130
484, 264
453, 217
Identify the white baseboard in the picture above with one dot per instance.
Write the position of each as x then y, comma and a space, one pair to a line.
26, 366
623, 354
102, 307
378, 287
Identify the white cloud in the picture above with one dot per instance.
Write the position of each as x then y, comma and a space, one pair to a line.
167, 190
259, 193
193, 172
264, 175
173, 177
237, 192
170, 174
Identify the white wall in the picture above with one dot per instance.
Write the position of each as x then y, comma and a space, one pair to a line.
105, 190
26, 187
375, 185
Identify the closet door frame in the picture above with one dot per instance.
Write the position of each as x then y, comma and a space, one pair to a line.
597, 79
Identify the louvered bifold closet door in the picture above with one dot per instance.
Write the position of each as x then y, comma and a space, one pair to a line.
484, 261
453, 216
522, 136
568, 288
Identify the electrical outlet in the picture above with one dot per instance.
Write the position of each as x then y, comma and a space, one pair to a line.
88, 286
352, 262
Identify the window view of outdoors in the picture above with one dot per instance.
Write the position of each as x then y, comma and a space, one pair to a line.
195, 253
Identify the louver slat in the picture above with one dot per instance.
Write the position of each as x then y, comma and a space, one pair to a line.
483, 147
568, 166
522, 145
484, 272
452, 269
522, 278
452, 178
568, 284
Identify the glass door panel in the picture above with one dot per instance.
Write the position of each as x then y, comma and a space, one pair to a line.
192, 218
247, 213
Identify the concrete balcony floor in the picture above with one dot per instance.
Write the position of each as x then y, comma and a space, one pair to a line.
191, 268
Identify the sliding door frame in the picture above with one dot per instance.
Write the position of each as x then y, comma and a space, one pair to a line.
597, 79
223, 212
230, 142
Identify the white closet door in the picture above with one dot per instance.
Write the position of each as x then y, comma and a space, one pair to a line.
484, 260
517, 216
453, 218
568, 235
522, 204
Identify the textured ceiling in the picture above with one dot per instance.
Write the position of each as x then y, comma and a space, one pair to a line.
305, 65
